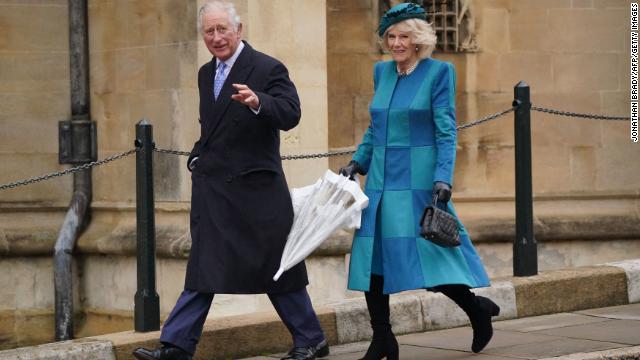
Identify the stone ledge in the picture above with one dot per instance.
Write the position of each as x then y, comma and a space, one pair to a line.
82, 349
630, 353
258, 333
570, 289
113, 230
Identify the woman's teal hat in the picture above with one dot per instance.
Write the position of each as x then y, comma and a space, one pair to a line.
399, 13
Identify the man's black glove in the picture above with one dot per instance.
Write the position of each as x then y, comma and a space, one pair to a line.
351, 169
442, 190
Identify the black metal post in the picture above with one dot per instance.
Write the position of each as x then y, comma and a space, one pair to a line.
147, 301
525, 252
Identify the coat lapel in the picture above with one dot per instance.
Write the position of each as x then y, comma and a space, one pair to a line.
206, 96
238, 75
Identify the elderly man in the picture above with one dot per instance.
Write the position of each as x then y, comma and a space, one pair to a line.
241, 209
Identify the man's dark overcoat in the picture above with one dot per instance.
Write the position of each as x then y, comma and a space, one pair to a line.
241, 210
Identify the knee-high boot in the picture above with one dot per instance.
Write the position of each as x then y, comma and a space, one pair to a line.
384, 343
479, 309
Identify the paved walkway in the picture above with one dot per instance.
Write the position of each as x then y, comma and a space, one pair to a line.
606, 333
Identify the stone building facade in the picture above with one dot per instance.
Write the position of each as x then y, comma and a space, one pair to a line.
144, 56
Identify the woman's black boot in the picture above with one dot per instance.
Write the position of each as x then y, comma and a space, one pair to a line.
384, 343
479, 309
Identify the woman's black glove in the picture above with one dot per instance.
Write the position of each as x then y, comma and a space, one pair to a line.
351, 169
442, 190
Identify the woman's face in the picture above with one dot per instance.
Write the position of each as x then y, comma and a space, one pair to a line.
400, 43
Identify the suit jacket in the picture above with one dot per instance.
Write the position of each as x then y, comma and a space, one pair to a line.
241, 210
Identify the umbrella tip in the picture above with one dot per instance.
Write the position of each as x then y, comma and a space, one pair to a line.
278, 274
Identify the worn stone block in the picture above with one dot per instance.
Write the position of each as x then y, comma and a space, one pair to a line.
116, 129
188, 68
529, 30
102, 72
543, 181
581, 288
581, 3
112, 182
108, 28
500, 161
341, 123
162, 67
487, 67
19, 34
583, 168
130, 69
176, 21
615, 103
7, 329
504, 295
100, 321
440, 312
352, 320
534, 68
610, 4
328, 279
66, 350
579, 73
34, 72
23, 115
494, 30
585, 30
406, 312
350, 31
632, 270
139, 22
56, 190
33, 326
339, 5
614, 171
554, 130
540, 4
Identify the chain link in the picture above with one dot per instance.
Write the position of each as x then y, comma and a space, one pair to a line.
319, 155
172, 152
486, 118
578, 115
67, 171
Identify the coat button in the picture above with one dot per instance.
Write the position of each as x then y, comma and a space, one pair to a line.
228, 178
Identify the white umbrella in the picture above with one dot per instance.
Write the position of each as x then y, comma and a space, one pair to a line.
333, 202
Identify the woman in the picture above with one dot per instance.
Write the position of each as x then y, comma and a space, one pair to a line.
408, 152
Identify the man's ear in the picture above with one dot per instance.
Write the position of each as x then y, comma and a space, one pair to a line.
240, 31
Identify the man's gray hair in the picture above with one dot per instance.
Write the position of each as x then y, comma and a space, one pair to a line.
225, 6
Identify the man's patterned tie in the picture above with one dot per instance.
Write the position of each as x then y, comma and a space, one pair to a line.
219, 80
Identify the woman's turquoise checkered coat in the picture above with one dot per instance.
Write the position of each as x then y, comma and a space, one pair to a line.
410, 143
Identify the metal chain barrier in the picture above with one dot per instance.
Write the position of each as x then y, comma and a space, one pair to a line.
67, 171
172, 152
578, 115
486, 118
299, 156
348, 151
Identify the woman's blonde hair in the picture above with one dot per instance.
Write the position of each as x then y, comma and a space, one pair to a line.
422, 35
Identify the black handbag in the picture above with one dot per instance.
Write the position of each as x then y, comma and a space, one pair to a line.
438, 226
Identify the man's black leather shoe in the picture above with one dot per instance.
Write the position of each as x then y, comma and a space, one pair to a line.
308, 352
164, 353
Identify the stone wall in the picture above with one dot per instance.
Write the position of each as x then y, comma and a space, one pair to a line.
573, 54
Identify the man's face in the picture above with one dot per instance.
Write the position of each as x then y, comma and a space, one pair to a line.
219, 35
